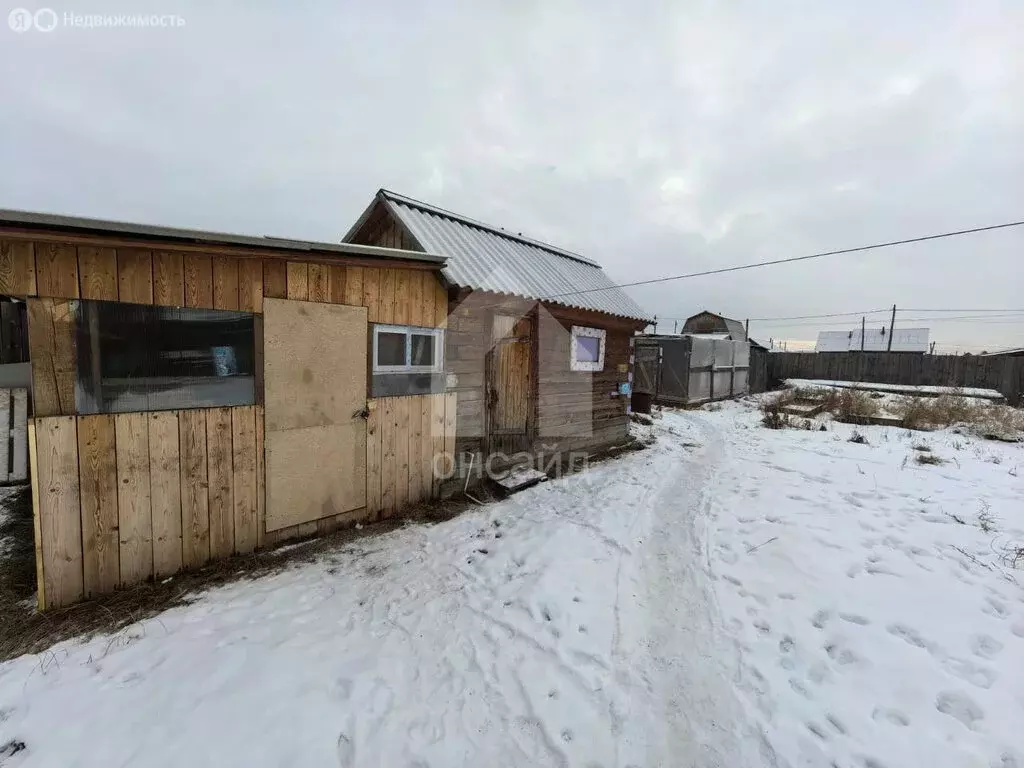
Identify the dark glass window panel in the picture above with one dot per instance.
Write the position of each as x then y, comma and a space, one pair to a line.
133, 357
390, 348
423, 349
588, 349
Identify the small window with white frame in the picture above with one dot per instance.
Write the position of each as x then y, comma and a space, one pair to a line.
587, 349
407, 349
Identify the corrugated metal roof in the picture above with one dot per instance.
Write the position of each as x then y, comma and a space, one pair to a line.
34, 220
875, 340
483, 258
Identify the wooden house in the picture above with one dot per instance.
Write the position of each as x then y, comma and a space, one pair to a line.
196, 395
539, 339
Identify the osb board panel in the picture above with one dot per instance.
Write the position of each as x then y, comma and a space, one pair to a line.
315, 358
135, 521
60, 521
315, 472
315, 387
97, 463
195, 508
51, 342
56, 270
97, 273
17, 268
165, 483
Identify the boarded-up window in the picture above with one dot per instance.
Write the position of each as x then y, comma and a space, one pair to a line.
134, 357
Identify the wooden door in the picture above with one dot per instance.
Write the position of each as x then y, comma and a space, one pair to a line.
509, 386
315, 398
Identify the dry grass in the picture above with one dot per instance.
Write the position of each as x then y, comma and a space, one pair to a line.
1000, 422
928, 458
858, 438
771, 409
854, 406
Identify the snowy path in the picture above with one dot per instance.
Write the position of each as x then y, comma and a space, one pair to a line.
570, 625
878, 622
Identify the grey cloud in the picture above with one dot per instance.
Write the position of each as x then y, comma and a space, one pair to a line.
655, 138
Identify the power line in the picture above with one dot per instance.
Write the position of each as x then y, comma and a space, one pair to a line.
799, 317
792, 259
911, 309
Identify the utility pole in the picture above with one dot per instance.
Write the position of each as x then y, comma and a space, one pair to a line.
675, 327
863, 324
746, 328
892, 324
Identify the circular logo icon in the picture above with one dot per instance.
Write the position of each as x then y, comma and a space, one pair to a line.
20, 20
45, 20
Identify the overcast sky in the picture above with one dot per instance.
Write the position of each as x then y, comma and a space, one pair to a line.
654, 138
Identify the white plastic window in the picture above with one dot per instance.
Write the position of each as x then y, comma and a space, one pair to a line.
407, 349
587, 349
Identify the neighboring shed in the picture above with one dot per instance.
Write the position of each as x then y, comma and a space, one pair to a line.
875, 340
539, 339
709, 322
198, 394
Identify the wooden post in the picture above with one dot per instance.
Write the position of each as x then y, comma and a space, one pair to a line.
892, 325
746, 329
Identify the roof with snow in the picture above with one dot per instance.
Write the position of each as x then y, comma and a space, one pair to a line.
875, 340
485, 258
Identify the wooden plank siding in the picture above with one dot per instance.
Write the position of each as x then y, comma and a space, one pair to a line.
125, 498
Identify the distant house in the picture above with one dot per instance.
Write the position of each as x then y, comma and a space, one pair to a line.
708, 323
875, 340
538, 343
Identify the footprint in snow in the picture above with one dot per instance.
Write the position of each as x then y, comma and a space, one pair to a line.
820, 619
891, 716
985, 646
854, 618
960, 707
10, 749
982, 677
762, 627
909, 634
995, 608
1018, 630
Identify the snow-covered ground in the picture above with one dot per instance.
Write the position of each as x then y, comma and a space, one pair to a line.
733, 596
879, 622
569, 625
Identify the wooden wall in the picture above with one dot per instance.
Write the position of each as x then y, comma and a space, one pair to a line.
1004, 374
123, 498
68, 270
573, 410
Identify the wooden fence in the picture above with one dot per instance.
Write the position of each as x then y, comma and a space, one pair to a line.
1004, 374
